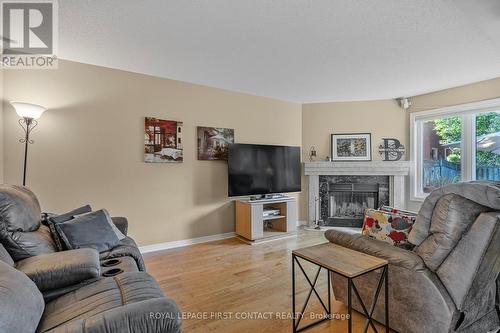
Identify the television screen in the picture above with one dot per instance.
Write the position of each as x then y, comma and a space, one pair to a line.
263, 169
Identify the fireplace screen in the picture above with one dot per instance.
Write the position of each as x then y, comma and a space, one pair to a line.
347, 203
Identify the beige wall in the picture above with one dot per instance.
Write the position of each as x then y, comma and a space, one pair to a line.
383, 119
89, 146
465, 94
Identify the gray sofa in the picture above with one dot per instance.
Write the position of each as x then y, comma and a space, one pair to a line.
80, 291
449, 281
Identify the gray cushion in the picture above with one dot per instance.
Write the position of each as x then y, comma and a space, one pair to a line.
61, 269
84, 306
19, 208
121, 223
485, 193
92, 230
21, 303
22, 245
475, 257
149, 316
452, 216
20, 217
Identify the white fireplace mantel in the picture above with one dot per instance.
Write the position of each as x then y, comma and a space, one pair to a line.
397, 171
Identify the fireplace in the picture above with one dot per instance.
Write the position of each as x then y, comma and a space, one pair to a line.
390, 177
345, 198
347, 202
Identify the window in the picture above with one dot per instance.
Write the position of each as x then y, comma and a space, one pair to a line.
454, 144
487, 154
441, 152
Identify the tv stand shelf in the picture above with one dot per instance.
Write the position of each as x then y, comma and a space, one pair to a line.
253, 227
267, 218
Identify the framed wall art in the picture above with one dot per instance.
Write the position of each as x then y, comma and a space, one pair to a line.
351, 147
213, 143
162, 141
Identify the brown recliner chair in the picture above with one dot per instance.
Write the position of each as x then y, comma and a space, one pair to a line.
448, 282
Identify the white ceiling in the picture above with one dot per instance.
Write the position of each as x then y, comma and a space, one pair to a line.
295, 50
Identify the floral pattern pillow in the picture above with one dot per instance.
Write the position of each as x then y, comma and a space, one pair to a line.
389, 225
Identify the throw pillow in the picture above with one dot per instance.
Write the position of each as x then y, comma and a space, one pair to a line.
388, 225
117, 231
54, 219
71, 214
92, 230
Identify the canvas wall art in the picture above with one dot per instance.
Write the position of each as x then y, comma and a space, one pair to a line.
351, 147
162, 141
213, 142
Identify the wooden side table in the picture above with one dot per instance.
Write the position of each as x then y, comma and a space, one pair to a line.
348, 263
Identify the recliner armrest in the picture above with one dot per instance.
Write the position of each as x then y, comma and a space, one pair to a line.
121, 223
153, 315
395, 255
61, 269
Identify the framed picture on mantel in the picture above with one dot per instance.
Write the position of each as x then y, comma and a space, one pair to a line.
351, 147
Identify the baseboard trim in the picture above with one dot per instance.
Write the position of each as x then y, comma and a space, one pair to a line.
184, 242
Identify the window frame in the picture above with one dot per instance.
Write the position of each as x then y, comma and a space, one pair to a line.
467, 112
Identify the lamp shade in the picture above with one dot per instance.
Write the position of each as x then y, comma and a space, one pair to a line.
28, 110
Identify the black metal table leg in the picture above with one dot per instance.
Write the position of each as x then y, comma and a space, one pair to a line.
386, 299
312, 284
349, 305
293, 294
329, 293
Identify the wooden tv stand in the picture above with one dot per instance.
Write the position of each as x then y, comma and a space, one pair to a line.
251, 224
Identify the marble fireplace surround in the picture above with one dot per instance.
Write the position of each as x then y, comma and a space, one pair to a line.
397, 171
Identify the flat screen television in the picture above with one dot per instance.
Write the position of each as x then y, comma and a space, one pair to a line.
263, 169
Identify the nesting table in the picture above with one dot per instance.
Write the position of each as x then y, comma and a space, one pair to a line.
349, 264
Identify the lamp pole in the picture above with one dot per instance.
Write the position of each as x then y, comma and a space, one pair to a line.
29, 113
27, 124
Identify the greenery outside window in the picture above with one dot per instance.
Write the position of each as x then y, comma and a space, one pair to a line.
454, 144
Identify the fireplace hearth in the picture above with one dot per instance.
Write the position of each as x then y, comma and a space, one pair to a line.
345, 198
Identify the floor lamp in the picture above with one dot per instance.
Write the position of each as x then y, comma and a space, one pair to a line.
28, 113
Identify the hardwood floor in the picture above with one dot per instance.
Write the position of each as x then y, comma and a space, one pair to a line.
229, 286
